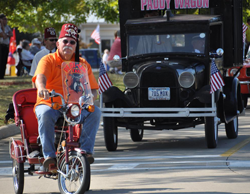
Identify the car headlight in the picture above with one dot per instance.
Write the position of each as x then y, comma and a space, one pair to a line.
186, 79
131, 80
74, 110
233, 71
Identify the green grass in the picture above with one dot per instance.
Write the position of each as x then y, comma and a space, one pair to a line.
10, 85
117, 80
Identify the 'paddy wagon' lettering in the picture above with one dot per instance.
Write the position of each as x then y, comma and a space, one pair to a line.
179, 4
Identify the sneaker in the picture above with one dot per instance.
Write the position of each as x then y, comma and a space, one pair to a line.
90, 158
119, 72
48, 161
34, 154
112, 70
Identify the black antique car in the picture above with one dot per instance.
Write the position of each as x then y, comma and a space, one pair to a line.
167, 80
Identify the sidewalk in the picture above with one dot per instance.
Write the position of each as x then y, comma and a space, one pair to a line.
8, 131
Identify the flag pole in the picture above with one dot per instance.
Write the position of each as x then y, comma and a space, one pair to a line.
104, 83
101, 101
213, 94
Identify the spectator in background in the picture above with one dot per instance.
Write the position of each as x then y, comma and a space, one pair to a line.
1, 29
26, 55
19, 63
36, 46
115, 50
105, 59
42, 43
247, 37
5, 34
19, 46
50, 47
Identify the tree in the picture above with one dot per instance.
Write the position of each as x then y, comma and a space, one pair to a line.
35, 15
29, 17
246, 8
107, 9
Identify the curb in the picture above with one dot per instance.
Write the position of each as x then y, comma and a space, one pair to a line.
9, 130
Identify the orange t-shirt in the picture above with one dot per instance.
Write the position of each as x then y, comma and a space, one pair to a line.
50, 66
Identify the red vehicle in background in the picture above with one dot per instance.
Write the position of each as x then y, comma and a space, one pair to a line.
243, 74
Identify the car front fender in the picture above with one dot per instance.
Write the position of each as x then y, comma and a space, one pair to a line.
115, 96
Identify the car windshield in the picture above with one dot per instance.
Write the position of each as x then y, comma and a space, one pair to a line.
167, 43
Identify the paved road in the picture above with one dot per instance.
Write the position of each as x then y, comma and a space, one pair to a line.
164, 162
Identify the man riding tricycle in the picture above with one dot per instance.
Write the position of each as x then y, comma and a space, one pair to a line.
58, 120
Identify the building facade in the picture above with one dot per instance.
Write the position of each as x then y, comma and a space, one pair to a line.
107, 31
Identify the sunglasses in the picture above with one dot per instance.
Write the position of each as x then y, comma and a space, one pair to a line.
51, 40
72, 42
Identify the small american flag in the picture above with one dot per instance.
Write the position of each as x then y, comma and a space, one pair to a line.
216, 80
96, 35
244, 29
103, 80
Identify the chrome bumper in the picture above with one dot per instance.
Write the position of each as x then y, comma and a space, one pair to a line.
159, 112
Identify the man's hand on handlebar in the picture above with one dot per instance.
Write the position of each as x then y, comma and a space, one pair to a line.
44, 94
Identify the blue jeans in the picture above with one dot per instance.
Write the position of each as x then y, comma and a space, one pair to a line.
47, 118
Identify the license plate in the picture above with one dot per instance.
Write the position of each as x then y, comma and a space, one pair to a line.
160, 93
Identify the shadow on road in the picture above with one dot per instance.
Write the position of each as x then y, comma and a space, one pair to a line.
143, 191
149, 191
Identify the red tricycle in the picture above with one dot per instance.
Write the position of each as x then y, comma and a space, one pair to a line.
72, 168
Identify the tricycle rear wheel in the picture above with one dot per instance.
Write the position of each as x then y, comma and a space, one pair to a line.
18, 176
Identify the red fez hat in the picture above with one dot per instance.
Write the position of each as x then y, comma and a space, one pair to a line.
49, 33
69, 30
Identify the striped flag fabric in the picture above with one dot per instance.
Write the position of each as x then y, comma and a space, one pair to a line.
216, 80
103, 80
244, 29
11, 60
96, 35
12, 47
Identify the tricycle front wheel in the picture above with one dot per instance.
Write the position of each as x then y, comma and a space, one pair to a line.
77, 179
18, 176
